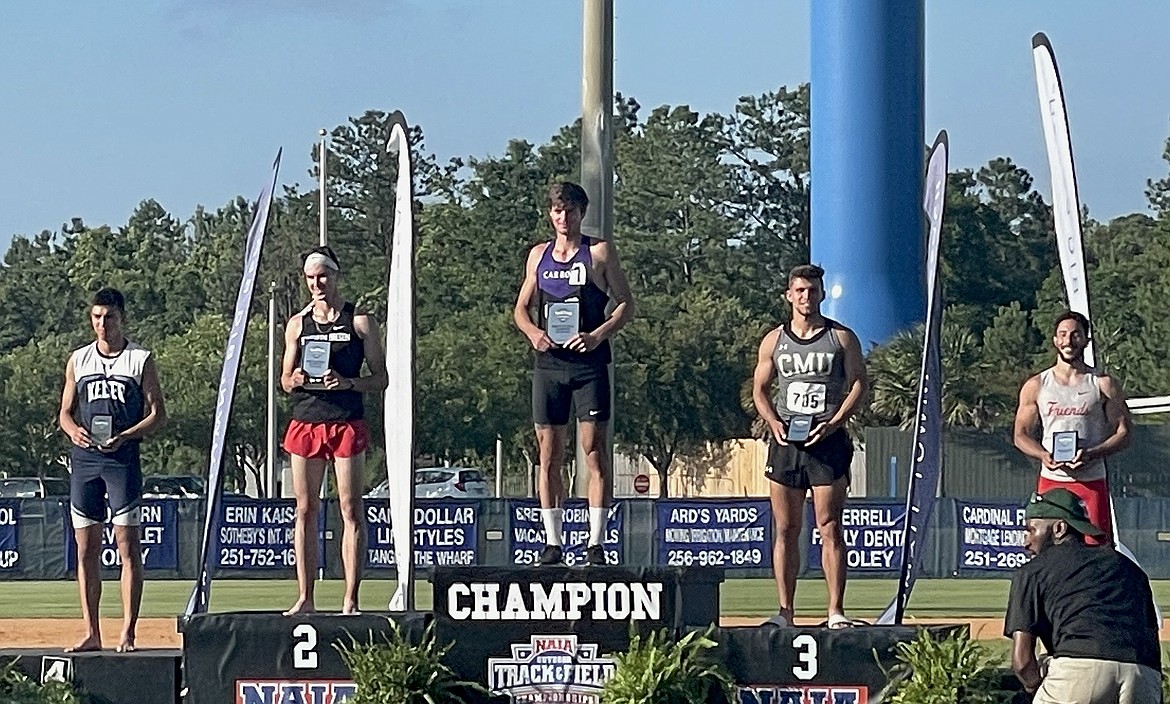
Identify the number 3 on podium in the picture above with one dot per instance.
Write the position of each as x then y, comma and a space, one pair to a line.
304, 655
806, 648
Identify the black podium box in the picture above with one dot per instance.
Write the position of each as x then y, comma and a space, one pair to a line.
146, 676
773, 665
534, 632
260, 657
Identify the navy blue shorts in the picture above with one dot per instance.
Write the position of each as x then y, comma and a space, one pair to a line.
98, 481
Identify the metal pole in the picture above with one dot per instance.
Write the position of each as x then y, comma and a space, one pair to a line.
270, 490
499, 466
324, 230
324, 208
597, 166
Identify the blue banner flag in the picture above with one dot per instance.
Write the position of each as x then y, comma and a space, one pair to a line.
201, 594
926, 462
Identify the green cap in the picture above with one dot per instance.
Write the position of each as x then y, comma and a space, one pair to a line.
1065, 505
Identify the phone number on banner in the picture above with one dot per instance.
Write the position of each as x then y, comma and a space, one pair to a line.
986, 559
257, 557
751, 557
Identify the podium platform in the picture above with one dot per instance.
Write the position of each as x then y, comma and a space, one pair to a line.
545, 634
263, 657
774, 665
147, 676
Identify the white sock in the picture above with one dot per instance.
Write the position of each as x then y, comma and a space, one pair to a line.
597, 516
553, 519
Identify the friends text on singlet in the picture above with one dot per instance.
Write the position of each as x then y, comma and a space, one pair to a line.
810, 374
346, 354
1078, 407
571, 280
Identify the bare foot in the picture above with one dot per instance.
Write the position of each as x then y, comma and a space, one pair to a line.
350, 610
127, 644
86, 645
303, 606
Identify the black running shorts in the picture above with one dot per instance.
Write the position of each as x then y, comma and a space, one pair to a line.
556, 391
801, 467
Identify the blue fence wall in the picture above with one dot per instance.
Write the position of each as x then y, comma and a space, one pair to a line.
969, 538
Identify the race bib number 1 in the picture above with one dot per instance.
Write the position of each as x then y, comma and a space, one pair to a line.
805, 398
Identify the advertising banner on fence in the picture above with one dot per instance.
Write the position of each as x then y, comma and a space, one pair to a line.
722, 533
9, 545
991, 536
873, 537
160, 538
446, 532
257, 534
526, 532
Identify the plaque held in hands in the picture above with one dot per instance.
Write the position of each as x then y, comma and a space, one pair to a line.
1064, 446
798, 428
101, 430
564, 321
315, 362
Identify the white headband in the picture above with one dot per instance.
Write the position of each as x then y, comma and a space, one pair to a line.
321, 259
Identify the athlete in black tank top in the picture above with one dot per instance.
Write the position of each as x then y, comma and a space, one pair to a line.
328, 420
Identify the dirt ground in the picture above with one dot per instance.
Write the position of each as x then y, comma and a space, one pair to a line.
161, 633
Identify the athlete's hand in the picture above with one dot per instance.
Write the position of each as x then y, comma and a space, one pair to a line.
113, 445
778, 431
540, 341
299, 377
80, 437
822, 430
1050, 463
583, 342
332, 381
1078, 461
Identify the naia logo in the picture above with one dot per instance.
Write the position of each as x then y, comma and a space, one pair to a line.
785, 694
550, 670
294, 691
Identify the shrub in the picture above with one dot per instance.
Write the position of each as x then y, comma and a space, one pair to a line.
656, 670
399, 672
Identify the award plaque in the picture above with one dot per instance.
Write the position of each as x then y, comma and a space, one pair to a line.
1064, 446
564, 321
101, 430
798, 428
315, 359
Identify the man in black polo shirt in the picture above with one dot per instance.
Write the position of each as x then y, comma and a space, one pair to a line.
1091, 607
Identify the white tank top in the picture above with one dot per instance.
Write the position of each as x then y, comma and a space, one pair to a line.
1078, 407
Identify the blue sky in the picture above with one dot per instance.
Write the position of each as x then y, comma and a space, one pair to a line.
186, 101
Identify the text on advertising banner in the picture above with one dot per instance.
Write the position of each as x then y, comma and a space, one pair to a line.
719, 533
257, 534
160, 538
873, 537
526, 532
446, 532
9, 544
991, 536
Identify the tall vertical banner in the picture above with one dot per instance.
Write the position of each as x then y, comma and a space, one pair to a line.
1066, 205
399, 407
201, 594
1066, 202
926, 463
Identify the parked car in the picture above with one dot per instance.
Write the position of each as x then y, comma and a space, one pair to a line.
32, 488
441, 482
164, 486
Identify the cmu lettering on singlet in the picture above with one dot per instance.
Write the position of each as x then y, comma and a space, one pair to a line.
789, 364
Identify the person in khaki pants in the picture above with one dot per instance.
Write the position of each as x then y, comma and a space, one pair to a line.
1090, 606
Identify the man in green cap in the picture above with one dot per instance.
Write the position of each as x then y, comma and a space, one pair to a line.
1091, 607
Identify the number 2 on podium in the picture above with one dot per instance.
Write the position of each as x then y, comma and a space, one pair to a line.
806, 647
304, 655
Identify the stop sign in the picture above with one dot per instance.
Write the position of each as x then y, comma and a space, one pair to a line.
642, 483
